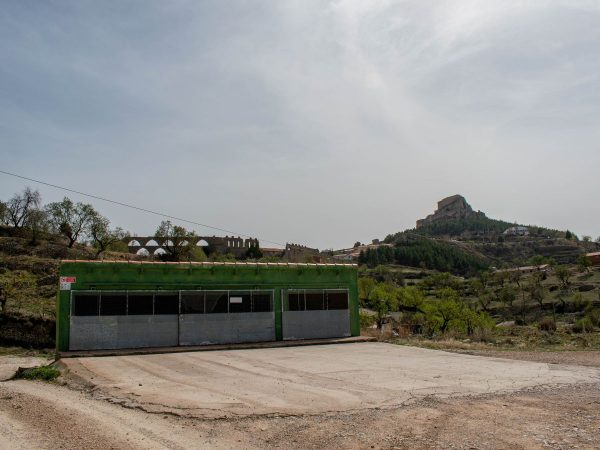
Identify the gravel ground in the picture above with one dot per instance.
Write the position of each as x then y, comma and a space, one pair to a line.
52, 415
43, 415
589, 358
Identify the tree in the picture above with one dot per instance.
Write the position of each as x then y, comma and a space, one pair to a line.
383, 301
175, 241
473, 320
506, 295
37, 223
479, 286
586, 238
102, 236
441, 280
440, 314
564, 276
584, 262
254, 252
4, 215
568, 235
72, 220
536, 290
197, 254
365, 288
500, 277
20, 206
411, 297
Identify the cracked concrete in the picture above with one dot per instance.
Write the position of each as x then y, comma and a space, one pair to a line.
307, 380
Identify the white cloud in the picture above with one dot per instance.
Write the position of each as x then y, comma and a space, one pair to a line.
307, 121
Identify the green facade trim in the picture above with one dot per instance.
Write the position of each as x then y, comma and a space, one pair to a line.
99, 275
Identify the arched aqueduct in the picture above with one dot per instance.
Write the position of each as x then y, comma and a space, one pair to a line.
153, 245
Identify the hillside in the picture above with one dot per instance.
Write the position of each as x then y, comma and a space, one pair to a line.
465, 240
29, 280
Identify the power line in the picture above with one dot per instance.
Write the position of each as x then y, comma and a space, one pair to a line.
137, 207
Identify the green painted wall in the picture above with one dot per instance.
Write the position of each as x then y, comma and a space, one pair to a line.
168, 276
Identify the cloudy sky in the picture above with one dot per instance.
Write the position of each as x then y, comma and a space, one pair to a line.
305, 121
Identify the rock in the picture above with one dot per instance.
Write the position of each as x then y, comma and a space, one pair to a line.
453, 207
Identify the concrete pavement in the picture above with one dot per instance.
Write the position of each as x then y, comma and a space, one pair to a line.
307, 380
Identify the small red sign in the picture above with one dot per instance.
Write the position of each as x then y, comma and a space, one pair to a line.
67, 279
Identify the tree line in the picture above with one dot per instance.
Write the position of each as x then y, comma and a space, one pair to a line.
424, 253
446, 311
79, 222
76, 222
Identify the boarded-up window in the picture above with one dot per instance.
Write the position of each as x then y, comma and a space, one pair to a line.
86, 304
216, 302
337, 300
315, 300
192, 302
295, 301
140, 304
166, 304
113, 304
262, 302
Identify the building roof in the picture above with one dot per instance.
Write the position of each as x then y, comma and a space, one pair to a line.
208, 263
593, 254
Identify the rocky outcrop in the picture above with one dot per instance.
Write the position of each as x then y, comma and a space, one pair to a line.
454, 207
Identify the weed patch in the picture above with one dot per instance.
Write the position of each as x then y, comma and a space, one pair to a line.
44, 373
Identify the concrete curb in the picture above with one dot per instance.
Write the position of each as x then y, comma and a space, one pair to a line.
213, 347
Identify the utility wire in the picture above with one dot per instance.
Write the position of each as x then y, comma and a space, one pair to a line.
137, 207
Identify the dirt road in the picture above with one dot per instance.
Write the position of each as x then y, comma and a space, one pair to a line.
42, 415
49, 415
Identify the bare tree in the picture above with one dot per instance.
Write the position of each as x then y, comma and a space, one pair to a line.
537, 292
3, 214
70, 219
20, 206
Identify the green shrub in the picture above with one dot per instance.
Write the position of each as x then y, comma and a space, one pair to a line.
579, 302
583, 325
45, 373
366, 320
594, 317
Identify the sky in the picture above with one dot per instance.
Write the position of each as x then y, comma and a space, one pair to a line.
315, 122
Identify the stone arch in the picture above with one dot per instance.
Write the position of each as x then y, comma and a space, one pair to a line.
159, 251
202, 243
134, 243
142, 252
152, 243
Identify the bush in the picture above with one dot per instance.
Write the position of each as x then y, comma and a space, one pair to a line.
483, 335
583, 325
547, 324
45, 373
366, 320
594, 317
579, 302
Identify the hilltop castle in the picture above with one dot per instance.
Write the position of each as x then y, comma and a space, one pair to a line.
454, 207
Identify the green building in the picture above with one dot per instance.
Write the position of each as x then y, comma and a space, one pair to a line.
110, 305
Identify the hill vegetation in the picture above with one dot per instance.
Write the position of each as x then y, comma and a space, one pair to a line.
427, 254
463, 242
